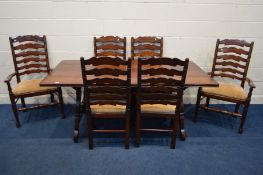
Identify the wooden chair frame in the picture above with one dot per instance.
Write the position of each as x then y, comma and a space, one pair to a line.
154, 88
110, 46
146, 46
107, 88
228, 58
28, 62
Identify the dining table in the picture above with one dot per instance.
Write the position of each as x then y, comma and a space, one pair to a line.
68, 74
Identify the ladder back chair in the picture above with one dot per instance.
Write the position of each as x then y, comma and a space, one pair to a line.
231, 61
107, 83
30, 57
146, 47
160, 91
110, 46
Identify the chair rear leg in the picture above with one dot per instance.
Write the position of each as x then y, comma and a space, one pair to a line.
138, 130
61, 103
237, 108
15, 111
127, 134
243, 118
52, 99
23, 103
197, 105
207, 101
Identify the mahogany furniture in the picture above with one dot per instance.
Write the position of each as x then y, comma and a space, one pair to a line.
231, 61
160, 92
107, 93
68, 74
113, 46
146, 47
30, 57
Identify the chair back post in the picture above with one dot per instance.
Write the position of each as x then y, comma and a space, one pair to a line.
14, 59
215, 57
46, 53
182, 87
161, 47
247, 63
124, 51
132, 48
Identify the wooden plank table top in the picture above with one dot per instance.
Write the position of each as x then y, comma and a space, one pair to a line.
68, 74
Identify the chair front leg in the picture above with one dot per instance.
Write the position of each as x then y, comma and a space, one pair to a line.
15, 111
138, 129
90, 130
175, 121
243, 117
127, 128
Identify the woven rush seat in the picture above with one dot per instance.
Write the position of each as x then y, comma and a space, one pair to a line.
226, 90
158, 108
108, 109
30, 86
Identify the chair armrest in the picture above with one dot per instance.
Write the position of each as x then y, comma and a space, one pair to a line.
9, 77
250, 83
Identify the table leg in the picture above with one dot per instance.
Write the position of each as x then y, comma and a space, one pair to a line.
77, 114
181, 123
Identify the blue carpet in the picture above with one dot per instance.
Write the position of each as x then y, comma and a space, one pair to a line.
43, 145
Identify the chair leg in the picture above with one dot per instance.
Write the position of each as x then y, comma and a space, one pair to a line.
23, 103
15, 111
243, 118
207, 101
174, 128
90, 129
237, 108
138, 130
61, 103
127, 135
197, 105
52, 99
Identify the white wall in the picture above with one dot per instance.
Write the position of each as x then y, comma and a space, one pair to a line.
189, 27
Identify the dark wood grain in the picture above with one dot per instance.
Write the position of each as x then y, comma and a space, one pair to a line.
172, 79
233, 67
68, 73
103, 86
28, 59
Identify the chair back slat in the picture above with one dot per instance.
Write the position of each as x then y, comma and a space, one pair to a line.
161, 80
233, 50
236, 42
146, 46
29, 46
231, 59
110, 46
30, 55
